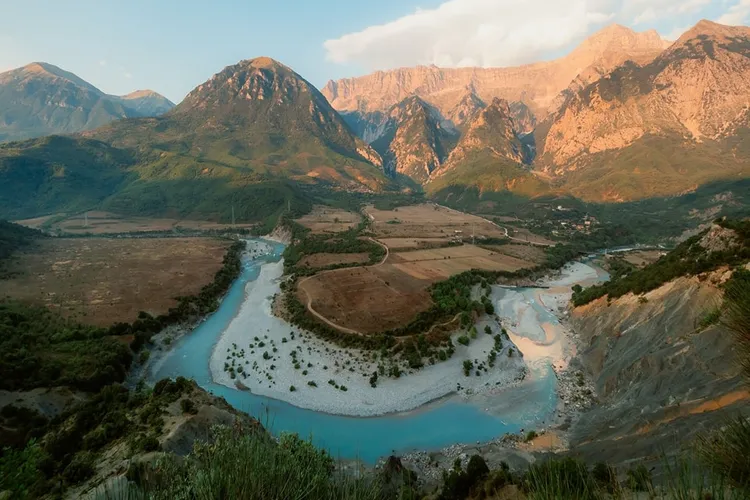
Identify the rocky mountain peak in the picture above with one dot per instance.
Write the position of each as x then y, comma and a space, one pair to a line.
139, 94
48, 73
467, 108
250, 81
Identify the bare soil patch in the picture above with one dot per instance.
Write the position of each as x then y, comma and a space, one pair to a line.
102, 281
97, 222
429, 221
396, 244
367, 299
642, 258
324, 219
442, 263
329, 259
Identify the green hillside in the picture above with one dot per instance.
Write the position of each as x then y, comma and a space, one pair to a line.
238, 139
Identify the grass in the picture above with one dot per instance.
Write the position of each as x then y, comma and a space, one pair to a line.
248, 465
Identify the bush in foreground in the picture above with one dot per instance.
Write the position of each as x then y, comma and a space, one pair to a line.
251, 465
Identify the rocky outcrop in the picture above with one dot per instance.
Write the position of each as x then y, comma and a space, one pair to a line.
489, 157
537, 85
181, 430
693, 95
494, 130
414, 139
661, 371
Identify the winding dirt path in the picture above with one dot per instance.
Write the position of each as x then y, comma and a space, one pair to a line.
318, 315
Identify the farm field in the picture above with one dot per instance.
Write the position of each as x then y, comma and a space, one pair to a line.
390, 294
529, 253
642, 258
366, 299
429, 221
396, 244
101, 280
329, 220
329, 259
98, 223
442, 263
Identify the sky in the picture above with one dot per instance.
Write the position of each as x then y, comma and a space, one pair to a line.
173, 46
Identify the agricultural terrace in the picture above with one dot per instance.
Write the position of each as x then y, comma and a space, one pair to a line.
389, 294
429, 221
324, 219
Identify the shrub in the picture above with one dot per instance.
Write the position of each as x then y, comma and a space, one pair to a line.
80, 468
563, 478
292, 388
463, 340
606, 476
639, 478
726, 451
531, 435
488, 330
20, 469
312, 384
293, 468
468, 365
188, 406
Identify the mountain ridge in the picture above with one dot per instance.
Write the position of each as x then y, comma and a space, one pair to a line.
41, 99
539, 82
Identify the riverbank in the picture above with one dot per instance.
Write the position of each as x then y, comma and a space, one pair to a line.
536, 321
263, 354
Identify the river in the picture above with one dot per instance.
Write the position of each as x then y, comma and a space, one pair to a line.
433, 426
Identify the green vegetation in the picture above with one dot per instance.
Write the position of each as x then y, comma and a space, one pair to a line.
39, 348
73, 440
251, 465
688, 258
726, 451
14, 237
306, 244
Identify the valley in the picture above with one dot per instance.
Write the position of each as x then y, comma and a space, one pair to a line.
435, 282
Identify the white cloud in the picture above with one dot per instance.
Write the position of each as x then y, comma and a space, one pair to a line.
127, 75
737, 14
503, 32
103, 62
470, 32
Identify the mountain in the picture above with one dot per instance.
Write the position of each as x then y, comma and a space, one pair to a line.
236, 140
537, 85
655, 130
414, 139
464, 112
490, 157
42, 99
147, 103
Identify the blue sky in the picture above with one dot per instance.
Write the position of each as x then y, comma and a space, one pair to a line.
172, 46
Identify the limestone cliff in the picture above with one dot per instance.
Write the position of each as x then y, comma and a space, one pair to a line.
490, 156
414, 139
667, 122
537, 85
